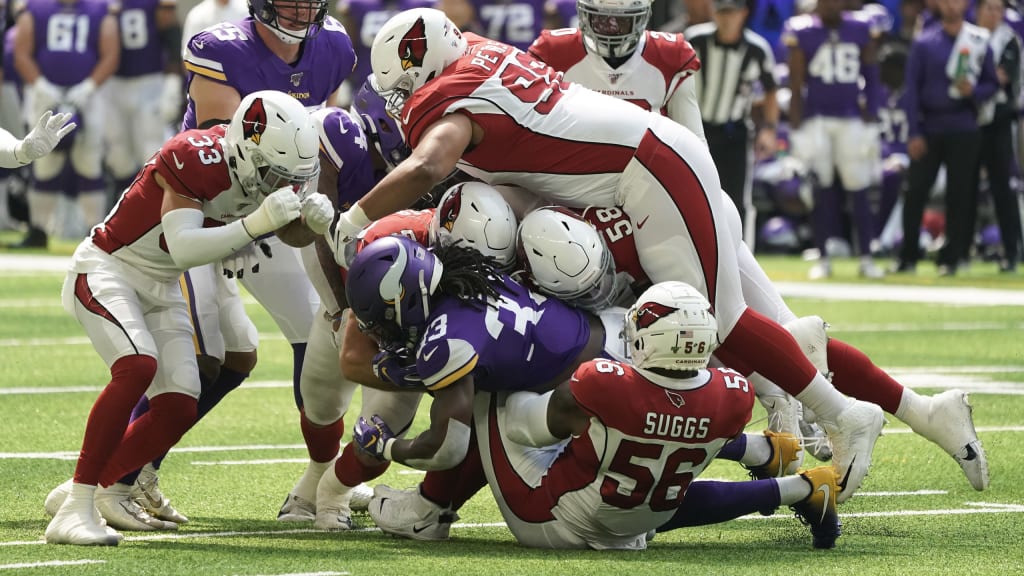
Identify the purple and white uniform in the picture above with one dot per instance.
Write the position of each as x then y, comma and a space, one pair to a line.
231, 53
67, 38
519, 341
343, 142
367, 16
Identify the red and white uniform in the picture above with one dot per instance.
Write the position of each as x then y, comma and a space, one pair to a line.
123, 284
649, 437
578, 148
654, 76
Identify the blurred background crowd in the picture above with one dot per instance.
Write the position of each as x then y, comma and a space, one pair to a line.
840, 128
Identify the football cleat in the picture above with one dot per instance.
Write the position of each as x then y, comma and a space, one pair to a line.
296, 509
951, 426
408, 514
77, 522
783, 413
818, 511
147, 493
853, 436
333, 503
333, 518
361, 496
55, 499
121, 511
815, 441
785, 458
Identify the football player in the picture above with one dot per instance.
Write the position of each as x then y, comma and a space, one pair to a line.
364, 18
597, 264
63, 71
510, 118
203, 195
835, 122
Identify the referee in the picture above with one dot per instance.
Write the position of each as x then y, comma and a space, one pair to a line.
733, 60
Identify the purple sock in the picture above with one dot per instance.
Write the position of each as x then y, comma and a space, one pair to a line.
708, 502
827, 216
891, 184
298, 354
227, 381
734, 450
863, 220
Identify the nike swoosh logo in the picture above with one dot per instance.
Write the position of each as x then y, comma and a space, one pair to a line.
827, 491
428, 355
341, 128
177, 163
418, 529
200, 45
641, 223
406, 119
846, 478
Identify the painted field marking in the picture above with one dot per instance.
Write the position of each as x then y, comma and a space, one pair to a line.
49, 563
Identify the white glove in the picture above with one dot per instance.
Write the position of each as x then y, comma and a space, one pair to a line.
346, 231
171, 99
318, 212
277, 209
246, 259
79, 94
45, 94
44, 137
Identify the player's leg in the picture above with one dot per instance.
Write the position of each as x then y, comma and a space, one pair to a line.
920, 177
120, 136
87, 160
112, 315
671, 192
285, 291
45, 186
13, 121
858, 153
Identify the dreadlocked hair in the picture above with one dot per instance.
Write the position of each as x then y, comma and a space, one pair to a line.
468, 275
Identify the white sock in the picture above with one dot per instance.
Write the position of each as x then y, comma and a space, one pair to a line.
913, 409
758, 451
305, 488
41, 206
793, 489
332, 490
82, 492
821, 397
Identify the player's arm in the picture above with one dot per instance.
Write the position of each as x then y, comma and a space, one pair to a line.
872, 80
444, 444
25, 48
564, 416
109, 50
169, 30
797, 74
434, 158
356, 358
683, 108
215, 102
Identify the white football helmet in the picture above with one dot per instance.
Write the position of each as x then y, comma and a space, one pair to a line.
565, 257
671, 327
613, 28
479, 217
271, 143
411, 49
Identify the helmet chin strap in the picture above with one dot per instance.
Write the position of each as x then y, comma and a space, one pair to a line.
286, 37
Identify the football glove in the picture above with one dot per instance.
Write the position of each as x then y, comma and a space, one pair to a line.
374, 437
397, 367
44, 137
318, 212
79, 94
246, 259
277, 209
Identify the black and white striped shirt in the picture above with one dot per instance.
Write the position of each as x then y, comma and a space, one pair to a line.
730, 73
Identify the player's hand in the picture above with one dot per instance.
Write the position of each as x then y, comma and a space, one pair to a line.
397, 367
374, 437
317, 212
44, 137
917, 147
246, 259
45, 94
171, 99
964, 88
276, 210
79, 94
344, 235
766, 143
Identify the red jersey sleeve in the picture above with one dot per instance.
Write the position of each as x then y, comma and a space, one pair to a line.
598, 385
193, 163
671, 54
560, 49
615, 227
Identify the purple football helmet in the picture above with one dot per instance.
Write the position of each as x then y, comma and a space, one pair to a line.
292, 21
389, 286
371, 110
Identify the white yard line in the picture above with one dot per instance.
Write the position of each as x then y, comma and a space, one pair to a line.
49, 563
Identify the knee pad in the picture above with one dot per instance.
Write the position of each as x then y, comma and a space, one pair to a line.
809, 332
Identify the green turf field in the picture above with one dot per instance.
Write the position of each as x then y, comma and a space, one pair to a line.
915, 514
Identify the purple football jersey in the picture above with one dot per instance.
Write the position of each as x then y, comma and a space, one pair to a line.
515, 22
567, 13
141, 52
67, 38
232, 53
517, 342
367, 16
343, 142
833, 62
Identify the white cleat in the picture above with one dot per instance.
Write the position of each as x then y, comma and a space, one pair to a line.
853, 436
784, 417
296, 509
361, 496
407, 513
815, 441
951, 426
333, 518
147, 493
79, 523
333, 503
55, 499
121, 511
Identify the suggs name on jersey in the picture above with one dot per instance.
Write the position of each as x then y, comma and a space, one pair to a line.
675, 426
